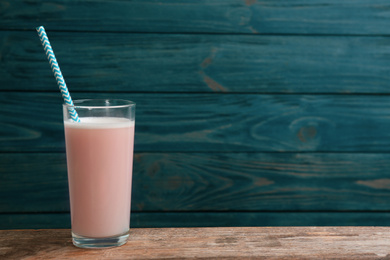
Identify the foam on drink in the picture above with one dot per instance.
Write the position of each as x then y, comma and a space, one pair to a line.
100, 122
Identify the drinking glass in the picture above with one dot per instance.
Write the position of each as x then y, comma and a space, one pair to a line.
99, 153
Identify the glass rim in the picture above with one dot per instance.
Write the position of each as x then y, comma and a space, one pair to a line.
78, 103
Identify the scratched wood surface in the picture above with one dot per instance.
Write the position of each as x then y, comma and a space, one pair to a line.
204, 182
208, 243
248, 112
197, 63
348, 17
214, 123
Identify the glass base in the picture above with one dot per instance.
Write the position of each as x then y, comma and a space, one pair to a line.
99, 242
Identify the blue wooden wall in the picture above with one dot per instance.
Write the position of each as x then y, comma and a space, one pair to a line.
249, 113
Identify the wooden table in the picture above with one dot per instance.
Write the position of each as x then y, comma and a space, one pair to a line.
208, 243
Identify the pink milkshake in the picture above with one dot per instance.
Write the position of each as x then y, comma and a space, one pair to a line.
99, 154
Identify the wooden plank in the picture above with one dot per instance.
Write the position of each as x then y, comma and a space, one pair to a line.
35, 220
219, 182
197, 63
213, 123
207, 219
232, 16
209, 243
33, 183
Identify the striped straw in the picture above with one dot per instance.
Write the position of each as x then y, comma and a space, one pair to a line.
57, 72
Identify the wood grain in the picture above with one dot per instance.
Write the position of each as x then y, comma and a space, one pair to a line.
209, 243
120, 62
193, 16
219, 182
248, 112
213, 123
208, 219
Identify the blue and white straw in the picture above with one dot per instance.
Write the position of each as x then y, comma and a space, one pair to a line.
57, 72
